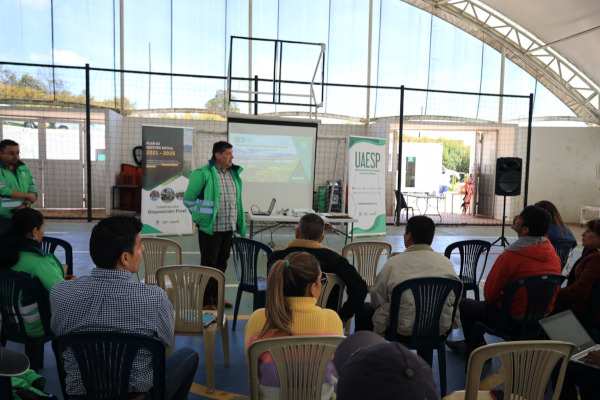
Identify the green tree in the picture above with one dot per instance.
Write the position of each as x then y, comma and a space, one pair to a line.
218, 102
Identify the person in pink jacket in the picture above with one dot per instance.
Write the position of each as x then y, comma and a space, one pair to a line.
532, 254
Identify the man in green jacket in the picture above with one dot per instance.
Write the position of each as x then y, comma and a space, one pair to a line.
17, 186
214, 197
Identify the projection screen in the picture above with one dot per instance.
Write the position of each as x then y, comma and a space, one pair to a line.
278, 157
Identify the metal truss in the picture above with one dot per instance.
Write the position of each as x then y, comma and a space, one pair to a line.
545, 64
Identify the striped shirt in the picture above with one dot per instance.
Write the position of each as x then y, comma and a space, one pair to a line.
226, 219
109, 301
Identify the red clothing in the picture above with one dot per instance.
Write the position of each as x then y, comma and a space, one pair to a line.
536, 259
579, 287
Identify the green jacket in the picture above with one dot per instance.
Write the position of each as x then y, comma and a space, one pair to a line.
203, 193
20, 180
45, 267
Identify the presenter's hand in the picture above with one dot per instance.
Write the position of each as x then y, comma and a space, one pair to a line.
31, 198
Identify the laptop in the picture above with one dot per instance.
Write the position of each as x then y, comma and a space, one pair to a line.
566, 327
266, 212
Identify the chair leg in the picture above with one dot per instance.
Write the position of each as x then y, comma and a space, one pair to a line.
35, 351
238, 298
442, 367
209, 356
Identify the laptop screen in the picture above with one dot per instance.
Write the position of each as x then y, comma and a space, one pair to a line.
566, 327
272, 205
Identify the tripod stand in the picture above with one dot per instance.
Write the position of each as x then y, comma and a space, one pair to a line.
502, 238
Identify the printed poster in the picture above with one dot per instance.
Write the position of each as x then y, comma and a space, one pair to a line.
366, 185
167, 163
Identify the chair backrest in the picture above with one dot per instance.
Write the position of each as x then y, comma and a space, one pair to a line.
540, 291
245, 258
188, 284
301, 363
154, 254
104, 361
528, 366
430, 297
18, 292
366, 257
49, 245
332, 281
400, 199
563, 248
470, 252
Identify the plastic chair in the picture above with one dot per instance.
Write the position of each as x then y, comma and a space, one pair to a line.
49, 245
527, 365
301, 362
188, 286
430, 298
154, 254
324, 299
104, 361
470, 252
366, 257
17, 290
540, 292
245, 259
403, 205
564, 248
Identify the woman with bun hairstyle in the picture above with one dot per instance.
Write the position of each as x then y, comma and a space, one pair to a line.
21, 251
293, 287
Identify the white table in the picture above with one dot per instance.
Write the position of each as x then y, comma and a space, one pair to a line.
276, 220
426, 197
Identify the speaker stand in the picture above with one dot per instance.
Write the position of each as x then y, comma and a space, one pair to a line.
502, 238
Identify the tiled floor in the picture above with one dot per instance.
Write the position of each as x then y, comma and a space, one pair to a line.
232, 381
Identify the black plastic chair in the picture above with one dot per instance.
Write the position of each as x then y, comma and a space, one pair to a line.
540, 291
16, 290
563, 248
470, 251
430, 297
401, 205
49, 245
245, 259
104, 361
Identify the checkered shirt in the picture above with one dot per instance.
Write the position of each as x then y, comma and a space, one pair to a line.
226, 219
109, 301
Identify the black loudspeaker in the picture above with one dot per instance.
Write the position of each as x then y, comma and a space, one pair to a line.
508, 176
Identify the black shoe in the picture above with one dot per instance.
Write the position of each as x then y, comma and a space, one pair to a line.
458, 346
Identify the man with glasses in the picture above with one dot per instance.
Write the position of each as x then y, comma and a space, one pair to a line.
309, 235
17, 186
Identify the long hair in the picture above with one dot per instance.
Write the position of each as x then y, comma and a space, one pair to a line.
556, 218
287, 278
22, 223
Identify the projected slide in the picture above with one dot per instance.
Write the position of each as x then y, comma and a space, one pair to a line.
278, 160
272, 158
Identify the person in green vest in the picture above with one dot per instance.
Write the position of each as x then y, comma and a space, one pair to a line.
21, 251
17, 186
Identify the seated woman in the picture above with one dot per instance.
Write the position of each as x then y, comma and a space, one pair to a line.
293, 287
558, 230
20, 247
583, 275
583, 377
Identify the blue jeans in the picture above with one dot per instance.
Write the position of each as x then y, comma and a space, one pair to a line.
180, 370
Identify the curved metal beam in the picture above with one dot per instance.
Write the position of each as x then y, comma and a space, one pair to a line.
555, 72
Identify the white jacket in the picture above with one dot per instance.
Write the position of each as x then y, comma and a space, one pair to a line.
418, 261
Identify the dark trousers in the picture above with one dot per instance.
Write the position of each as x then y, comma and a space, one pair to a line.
214, 252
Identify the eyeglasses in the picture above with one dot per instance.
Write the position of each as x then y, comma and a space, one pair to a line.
323, 279
12, 153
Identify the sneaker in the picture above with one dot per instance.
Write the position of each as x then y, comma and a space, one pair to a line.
228, 304
458, 346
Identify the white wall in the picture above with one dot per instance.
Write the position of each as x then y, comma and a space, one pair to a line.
563, 169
